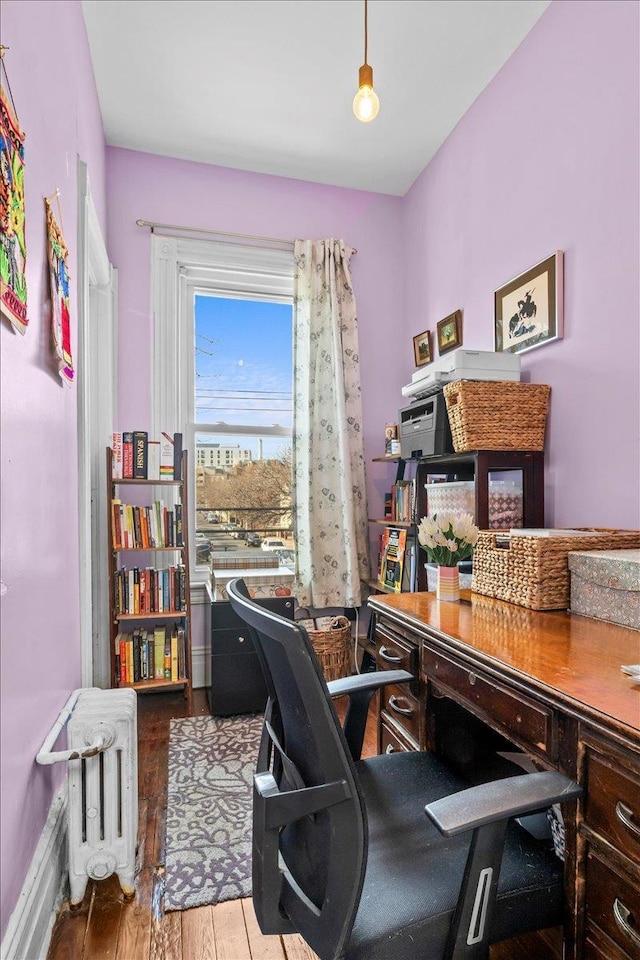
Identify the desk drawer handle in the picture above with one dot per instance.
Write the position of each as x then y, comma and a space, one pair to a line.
625, 815
472, 677
622, 918
394, 704
387, 656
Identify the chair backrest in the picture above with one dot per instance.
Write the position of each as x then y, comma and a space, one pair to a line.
311, 870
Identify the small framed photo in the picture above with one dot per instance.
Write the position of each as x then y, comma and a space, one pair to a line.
450, 332
528, 310
422, 348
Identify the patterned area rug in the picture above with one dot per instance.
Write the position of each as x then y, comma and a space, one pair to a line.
208, 850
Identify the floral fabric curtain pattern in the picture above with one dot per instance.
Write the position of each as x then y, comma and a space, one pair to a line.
330, 512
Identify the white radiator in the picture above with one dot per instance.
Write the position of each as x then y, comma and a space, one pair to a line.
103, 785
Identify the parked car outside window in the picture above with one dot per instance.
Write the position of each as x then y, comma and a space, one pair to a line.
254, 539
272, 544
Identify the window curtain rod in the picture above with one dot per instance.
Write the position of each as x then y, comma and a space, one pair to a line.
216, 233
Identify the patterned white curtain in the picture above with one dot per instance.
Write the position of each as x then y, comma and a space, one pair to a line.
330, 511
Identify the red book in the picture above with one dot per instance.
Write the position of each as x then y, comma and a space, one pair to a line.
127, 455
123, 661
116, 528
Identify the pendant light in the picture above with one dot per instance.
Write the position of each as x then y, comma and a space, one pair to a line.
365, 102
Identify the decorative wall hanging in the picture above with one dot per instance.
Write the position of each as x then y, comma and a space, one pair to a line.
58, 254
422, 348
450, 332
528, 310
13, 250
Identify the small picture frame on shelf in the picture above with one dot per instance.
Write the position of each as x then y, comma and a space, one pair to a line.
450, 332
422, 352
528, 310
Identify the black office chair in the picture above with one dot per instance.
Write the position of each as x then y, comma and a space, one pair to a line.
342, 851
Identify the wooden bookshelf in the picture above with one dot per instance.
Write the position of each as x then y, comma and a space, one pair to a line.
118, 557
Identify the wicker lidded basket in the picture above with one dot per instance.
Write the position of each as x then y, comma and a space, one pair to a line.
534, 571
333, 648
497, 414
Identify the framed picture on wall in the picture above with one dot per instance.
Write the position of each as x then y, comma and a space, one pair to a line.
422, 348
450, 332
528, 310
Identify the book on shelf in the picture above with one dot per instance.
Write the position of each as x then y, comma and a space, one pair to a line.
116, 447
166, 456
167, 657
410, 564
392, 551
159, 639
136, 456
177, 456
181, 653
140, 439
179, 532
403, 501
153, 459
127, 455
174, 653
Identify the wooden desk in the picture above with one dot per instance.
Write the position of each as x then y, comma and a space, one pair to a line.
550, 684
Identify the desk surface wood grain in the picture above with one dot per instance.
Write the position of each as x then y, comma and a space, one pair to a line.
571, 658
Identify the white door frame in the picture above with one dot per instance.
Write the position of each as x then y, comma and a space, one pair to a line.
97, 342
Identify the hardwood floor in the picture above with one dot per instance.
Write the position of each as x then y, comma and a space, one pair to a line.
105, 927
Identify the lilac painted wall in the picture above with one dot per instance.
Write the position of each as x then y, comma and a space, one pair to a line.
52, 83
546, 159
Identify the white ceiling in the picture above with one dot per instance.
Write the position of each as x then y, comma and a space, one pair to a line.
267, 85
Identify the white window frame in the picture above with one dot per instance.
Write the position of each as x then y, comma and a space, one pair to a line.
182, 268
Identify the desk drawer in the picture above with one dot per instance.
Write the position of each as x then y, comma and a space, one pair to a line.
613, 905
534, 725
405, 709
390, 742
612, 803
395, 654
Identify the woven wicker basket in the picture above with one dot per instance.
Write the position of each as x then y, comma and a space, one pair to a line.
333, 648
533, 571
497, 415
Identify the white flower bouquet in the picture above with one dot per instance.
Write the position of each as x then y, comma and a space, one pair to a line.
447, 538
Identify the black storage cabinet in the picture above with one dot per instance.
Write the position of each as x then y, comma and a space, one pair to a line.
237, 684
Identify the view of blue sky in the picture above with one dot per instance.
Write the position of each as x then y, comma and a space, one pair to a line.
243, 368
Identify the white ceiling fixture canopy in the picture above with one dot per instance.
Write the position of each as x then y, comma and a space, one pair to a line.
266, 85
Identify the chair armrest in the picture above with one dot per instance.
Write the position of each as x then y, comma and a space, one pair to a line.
367, 681
485, 810
360, 689
500, 800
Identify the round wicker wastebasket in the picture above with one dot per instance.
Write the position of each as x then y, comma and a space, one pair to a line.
333, 648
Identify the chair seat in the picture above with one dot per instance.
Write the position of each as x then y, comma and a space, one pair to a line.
406, 850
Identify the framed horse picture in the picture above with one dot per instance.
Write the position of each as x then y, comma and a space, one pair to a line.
528, 310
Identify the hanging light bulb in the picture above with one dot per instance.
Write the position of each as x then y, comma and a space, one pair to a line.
365, 103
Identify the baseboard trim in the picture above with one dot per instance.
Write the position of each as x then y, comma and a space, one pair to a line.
200, 661
30, 925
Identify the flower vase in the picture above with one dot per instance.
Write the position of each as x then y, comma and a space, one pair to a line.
448, 586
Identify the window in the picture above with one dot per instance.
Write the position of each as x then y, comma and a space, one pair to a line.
243, 420
197, 285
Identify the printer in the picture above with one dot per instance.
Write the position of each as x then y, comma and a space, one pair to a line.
462, 364
424, 424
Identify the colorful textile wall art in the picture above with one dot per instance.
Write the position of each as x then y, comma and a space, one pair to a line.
58, 254
13, 250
